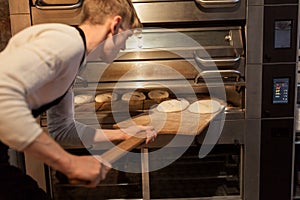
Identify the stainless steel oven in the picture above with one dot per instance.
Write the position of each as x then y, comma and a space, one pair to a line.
245, 49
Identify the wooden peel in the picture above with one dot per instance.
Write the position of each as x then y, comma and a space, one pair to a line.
113, 154
123, 148
183, 123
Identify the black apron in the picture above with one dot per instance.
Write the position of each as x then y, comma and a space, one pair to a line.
14, 183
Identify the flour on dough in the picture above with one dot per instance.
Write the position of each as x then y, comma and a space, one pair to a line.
205, 106
173, 105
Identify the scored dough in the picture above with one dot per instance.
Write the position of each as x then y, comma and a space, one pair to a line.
133, 96
106, 97
83, 98
205, 106
158, 94
173, 105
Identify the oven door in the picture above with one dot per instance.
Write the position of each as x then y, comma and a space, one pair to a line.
180, 11
57, 4
175, 59
68, 11
215, 48
56, 11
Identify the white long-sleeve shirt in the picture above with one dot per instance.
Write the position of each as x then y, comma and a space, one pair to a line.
39, 65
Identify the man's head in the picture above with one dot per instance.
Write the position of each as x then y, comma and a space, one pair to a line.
97, 11
111, 23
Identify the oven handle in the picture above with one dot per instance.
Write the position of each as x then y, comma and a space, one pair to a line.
44, 6
214, 62
217, 74
217, 3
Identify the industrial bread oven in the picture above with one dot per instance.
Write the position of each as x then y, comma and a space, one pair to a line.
243, 53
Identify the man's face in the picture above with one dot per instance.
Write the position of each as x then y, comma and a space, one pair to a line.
108, 49
114, 43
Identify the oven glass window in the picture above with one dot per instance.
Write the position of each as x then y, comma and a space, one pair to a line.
218, 174
164, 38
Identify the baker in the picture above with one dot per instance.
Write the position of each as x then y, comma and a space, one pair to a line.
37, 69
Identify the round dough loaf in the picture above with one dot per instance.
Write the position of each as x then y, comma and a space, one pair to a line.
133, 96
205, 106
173, 105
158, 94
83, 98
106, 97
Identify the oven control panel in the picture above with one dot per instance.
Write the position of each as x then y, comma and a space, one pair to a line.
279, 60
278, 98
281, 90
278, 92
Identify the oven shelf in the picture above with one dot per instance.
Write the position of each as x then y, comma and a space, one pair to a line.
297, 193
226, 177
297, 140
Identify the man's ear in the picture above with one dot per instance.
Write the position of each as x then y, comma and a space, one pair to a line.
115, 25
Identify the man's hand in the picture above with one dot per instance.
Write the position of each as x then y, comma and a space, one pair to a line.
150, 132
87, 170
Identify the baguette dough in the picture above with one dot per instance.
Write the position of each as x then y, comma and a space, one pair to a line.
205, 106
133, 96
106, 97
173, 105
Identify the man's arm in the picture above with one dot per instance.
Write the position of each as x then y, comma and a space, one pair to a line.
67, 132
124, 134
85, 168
63, 127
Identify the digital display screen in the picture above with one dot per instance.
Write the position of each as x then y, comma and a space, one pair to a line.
280, 90
283, 31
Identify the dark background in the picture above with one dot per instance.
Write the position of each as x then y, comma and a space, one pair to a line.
5, 33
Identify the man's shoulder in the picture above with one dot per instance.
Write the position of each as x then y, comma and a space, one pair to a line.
41, 29
53, 32
63, 28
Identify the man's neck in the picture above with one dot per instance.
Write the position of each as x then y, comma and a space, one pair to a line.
94, 35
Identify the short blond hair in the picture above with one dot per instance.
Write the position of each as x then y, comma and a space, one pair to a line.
96, 12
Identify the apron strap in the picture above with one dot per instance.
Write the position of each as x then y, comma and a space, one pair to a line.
44, 108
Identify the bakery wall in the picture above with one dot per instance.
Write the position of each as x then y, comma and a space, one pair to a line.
5, 32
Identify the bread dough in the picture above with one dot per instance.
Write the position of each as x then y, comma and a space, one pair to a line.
133, 96
205, 106
88, 107
173, 105
158, 94
106, 97
83, 98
